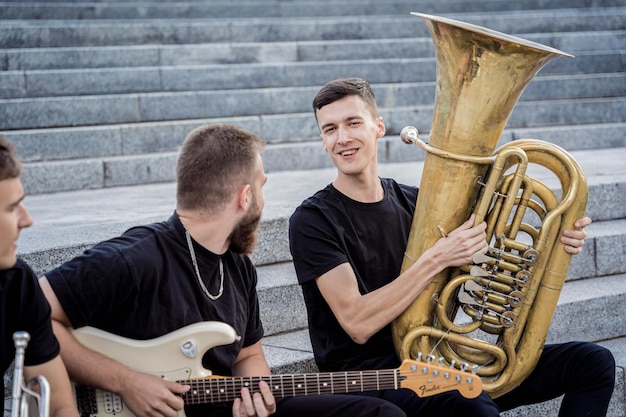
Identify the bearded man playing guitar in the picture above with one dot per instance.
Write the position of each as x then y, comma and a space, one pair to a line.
154, 285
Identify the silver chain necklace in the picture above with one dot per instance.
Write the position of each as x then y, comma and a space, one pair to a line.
195, 265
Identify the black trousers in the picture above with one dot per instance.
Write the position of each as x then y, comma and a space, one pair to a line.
583, 372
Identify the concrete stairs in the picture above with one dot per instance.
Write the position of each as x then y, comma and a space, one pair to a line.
97, 96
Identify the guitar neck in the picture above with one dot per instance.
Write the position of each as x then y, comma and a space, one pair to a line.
220, 389
166, 357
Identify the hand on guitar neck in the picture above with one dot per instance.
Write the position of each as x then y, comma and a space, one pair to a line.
177, 356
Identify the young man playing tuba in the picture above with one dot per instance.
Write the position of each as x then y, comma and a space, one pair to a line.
348, 241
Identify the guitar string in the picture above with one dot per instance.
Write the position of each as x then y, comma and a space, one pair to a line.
231, 387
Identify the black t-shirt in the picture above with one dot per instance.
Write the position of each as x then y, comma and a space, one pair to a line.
23, 307
329, 229
143, 285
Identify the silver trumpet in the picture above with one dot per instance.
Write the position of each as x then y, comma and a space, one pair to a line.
24, 396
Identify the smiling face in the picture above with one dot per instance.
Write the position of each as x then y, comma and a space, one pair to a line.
350, 130
13, 218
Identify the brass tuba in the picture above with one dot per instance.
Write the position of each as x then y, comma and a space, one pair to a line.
26, 402
494, 315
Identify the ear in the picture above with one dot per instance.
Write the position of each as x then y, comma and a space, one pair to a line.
244, 196
381, 127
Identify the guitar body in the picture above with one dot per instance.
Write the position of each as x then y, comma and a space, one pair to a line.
175, 356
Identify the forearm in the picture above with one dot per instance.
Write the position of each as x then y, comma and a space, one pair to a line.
361, 316
251, 362
62, 402
88, 367
369, 313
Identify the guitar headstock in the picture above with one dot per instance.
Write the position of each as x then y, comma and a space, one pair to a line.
426, 379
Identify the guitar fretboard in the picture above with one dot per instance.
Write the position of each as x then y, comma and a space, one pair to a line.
214, 390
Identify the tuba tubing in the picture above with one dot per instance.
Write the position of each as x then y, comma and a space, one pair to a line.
480, 76
22, 393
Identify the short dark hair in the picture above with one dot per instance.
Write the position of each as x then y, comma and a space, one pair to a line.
10, 166
344, 87
214, 161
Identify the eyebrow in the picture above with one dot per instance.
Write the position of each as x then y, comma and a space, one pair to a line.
17, 202
347, 119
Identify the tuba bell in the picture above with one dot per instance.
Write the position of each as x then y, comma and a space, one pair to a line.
493, 315
25, 400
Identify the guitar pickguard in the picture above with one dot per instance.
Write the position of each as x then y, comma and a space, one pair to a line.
175, 356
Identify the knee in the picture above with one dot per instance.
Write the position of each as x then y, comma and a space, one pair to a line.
599, 361
387, 409
605, 362
481, 406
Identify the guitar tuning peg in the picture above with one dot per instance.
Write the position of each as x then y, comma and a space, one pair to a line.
464, 366
441, 360
430, 358
452, 363
419, 356
474, 369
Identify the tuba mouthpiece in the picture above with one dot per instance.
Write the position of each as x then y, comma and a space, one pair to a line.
409, 135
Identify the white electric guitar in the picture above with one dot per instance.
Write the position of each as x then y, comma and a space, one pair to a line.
177, 356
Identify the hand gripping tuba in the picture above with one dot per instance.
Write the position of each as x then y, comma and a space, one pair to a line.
494, 315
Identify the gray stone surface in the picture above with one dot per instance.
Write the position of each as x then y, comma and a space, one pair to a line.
67, 111
66, 143
612, 251
143, 169
70, 82
86, 81
102, 32
222, 9
588, 136
63, 175
594, 50
282, 304
591, 309
285, 104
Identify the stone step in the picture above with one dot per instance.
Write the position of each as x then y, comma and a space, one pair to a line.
444, 3
590, 309
35, 113
72, 159
63, 229
51, 144
64, 33
267, 8
597, 71
584, 42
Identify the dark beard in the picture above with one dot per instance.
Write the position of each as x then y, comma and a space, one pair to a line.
243, 237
